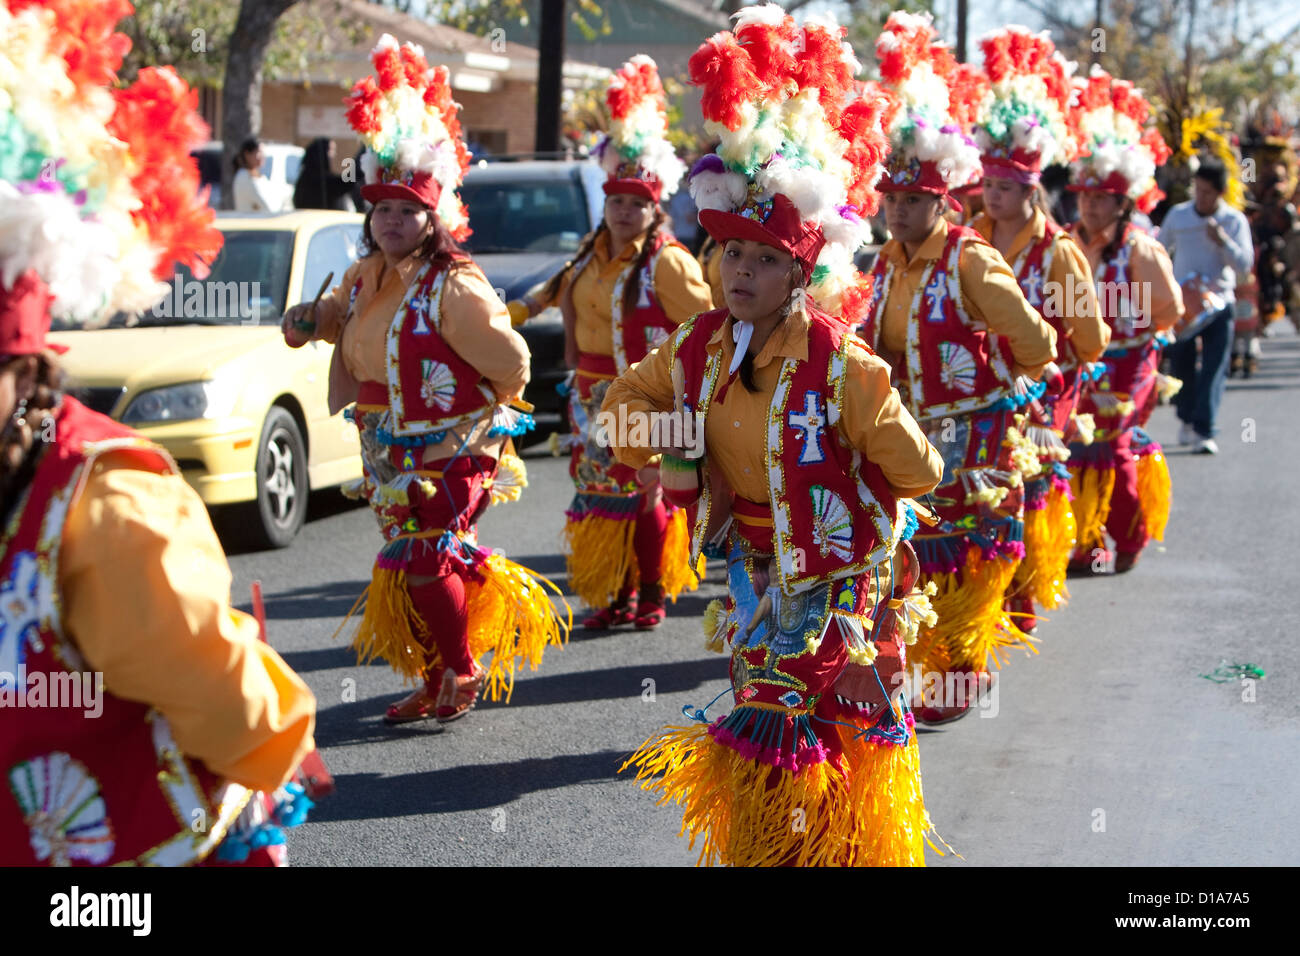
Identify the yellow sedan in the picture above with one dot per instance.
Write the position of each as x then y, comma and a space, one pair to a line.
206, 373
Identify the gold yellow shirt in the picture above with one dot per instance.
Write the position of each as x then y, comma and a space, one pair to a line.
474, 323
146, 598
1149, 263
989, 292
1070, 273
679, 288
735, 432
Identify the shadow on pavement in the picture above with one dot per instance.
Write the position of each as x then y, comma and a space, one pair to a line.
614, 683
332, 600
365, 796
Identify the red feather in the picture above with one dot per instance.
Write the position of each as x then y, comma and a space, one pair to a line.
771, 51
388, 68
363, 106
84, 36
822, 65
156, 117
724, 71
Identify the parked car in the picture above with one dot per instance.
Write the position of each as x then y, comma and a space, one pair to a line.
281, 164
527, 220
206, 373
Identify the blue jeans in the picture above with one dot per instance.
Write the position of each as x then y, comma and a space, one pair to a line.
1203, 376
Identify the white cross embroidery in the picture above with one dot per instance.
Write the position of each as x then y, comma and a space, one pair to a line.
1032, 285
937, 291
810, 424
420, 309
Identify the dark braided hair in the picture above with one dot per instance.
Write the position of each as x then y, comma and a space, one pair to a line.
632, 288
20, 446
1117, 240
552, 287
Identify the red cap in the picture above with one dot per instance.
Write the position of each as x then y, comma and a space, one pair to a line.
1090, 182
634, 181
915, 176
1018, 165
403, 186
774, 222
25, 317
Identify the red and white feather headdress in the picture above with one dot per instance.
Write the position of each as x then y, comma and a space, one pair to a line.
1119, 149
801, 147
635, 152
410, 126
1022, 123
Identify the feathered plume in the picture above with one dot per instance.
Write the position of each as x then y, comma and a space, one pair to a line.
638, 132
1114, 138
409, 123
783, 102
1025, 116
98, 193
921, 73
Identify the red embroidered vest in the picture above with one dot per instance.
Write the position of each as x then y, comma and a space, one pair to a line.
646, 327
80, 787
951, 365
1115, 287
1031, 270
832, 511
430, 387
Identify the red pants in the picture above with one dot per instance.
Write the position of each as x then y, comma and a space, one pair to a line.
1125, 523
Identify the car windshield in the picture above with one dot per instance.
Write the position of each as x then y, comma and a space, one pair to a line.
247, 285
539, 216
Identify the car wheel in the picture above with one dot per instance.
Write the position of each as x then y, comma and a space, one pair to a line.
281, 481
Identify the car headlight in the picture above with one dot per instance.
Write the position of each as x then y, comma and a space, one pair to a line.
179, 403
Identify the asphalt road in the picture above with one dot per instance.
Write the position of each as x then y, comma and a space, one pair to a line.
1105, 748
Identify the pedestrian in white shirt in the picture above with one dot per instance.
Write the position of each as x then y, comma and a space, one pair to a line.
253, 191
1209, 239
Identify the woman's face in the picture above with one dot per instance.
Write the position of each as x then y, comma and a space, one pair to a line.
1005, 199
1098, 210
253, 159
399, 227
756, 279
626, 217
911, 215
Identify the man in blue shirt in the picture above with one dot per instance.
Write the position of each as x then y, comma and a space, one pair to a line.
1209, 239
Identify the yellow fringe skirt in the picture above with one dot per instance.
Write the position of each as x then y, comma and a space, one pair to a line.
973, 625
1050, 534
865, 809
601, 559
510, 614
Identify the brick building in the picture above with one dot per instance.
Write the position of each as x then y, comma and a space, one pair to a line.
493, 78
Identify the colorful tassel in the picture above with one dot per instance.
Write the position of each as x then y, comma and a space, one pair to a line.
599, 556
677, 574
1050, 535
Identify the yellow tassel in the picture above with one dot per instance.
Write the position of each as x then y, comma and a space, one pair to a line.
391, 627
1092, 489
510, 481
1155, 493
1049, 542
715, 617
599, 557
511, 616
973, 625
746, 813
677, 575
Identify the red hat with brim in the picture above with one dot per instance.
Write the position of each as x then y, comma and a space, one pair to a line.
649, 188
916, 176
404, 187
775, 222
1020, 166
25, 317
1114, 183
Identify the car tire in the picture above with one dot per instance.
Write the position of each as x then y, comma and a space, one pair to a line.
281, 506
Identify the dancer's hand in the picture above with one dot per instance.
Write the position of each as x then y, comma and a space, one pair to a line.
299, 325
